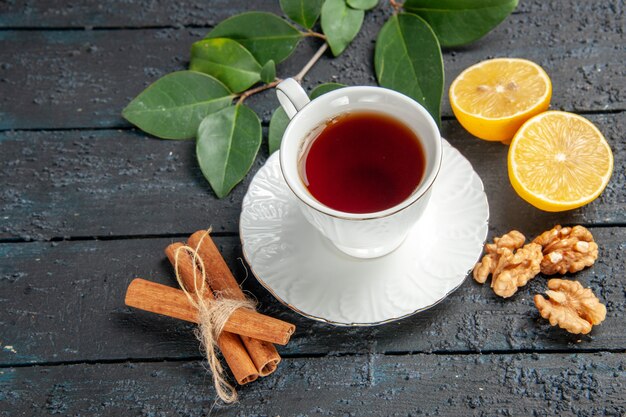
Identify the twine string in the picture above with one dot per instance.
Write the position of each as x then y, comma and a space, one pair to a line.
212, 317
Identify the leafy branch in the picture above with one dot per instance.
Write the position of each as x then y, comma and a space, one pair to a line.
238, 59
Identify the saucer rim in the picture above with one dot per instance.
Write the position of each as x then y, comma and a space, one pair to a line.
364, 324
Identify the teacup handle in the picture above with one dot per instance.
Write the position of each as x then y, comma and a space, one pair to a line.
291, 96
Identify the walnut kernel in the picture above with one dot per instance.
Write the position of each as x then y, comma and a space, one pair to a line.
512, 240
514, 270
566, 249
570, 306
510, 264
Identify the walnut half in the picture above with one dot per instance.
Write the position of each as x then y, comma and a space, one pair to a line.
514, 270
510, 264
570, 306
512, 240
566, 249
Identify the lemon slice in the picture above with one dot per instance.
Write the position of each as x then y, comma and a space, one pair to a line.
493, 98
559, 161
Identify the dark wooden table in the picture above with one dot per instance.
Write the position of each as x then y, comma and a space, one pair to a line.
87, 203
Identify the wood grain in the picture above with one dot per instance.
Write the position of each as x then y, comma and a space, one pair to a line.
123, 13
110, 183
82, 79
362, 385
114, 196
70, 297
115, 14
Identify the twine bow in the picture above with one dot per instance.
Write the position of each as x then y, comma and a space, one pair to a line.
212, 315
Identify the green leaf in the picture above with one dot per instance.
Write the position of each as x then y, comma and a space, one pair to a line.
279, 120
268, 72
303, 12
173, 106
265, 35
226, 60
324, 88
408, 59
362, 4
228, 142
457, 22
278, 124
340, 24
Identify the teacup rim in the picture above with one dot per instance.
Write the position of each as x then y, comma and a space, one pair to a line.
420, 191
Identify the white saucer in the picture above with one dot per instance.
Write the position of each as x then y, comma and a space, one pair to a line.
303, 270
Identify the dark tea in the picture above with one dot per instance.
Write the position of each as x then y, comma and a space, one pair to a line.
363, 162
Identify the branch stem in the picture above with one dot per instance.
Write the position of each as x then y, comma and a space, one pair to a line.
314, 34
258, 89
396, 6
298, 77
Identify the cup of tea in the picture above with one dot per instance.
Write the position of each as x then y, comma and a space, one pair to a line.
361, 162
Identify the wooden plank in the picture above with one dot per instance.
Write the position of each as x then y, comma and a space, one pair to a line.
122, 13
100, 183
141, 13
64, 302
373, 385
82, 79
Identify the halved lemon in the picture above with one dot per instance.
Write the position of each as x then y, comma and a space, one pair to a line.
493, 98
559, 161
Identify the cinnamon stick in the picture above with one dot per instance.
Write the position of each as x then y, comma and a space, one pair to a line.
230, 344
220, 278
172, 302
218, 273
160, 299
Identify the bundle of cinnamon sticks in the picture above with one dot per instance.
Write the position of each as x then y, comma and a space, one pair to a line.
247, 340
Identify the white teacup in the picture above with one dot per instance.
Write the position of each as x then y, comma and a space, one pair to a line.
363, 235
